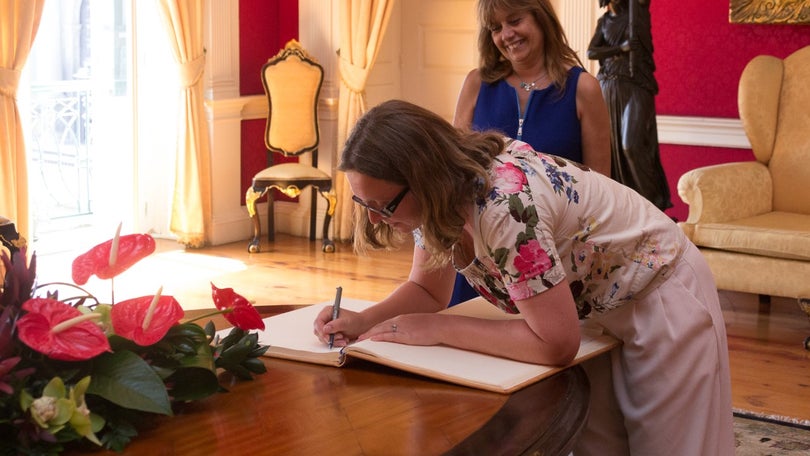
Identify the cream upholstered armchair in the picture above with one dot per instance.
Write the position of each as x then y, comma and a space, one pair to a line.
292, 82
751, 220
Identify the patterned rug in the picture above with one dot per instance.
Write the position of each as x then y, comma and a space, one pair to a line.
765, 435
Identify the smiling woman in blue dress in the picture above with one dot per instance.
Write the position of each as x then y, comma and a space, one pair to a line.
530, 85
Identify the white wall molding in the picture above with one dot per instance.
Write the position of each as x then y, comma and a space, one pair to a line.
702, 131
222, 49
578, 18
253, 107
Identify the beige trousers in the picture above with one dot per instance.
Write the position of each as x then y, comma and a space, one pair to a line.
667, 389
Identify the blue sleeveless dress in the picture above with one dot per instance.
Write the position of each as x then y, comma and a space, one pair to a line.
550, 124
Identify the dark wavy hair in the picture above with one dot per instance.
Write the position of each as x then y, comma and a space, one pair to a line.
558, 55
444, 167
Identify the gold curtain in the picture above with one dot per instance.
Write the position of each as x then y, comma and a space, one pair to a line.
362, 26
191, 204
18, 27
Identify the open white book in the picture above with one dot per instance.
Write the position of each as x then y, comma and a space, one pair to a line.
290, 336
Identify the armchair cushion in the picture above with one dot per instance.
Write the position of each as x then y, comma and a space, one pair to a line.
775, 234
291, 172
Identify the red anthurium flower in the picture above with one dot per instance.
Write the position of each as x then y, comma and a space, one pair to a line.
147, 319
131, 249
238, 311
60, 331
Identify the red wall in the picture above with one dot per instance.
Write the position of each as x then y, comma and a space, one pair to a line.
265, 26
699, 57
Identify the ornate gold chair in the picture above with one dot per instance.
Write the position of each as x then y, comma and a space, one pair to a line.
292, 81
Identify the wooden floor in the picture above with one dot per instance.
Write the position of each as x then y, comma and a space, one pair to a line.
770, 368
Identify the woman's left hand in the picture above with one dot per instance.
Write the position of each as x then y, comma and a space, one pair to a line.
411, 329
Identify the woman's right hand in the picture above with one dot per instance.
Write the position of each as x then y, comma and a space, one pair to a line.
346, 327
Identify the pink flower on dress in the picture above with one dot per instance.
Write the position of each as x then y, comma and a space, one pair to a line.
521, 290
46, 329
131, 249
509, 178
532, 260
133, 320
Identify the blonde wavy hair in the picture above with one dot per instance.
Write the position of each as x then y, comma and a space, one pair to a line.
444, 167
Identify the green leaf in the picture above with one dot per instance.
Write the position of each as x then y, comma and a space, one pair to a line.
240, 372
187, 330
239, 350
118, 435
195, 377
186, 348
193, 383
125, 379
258, 350
242, 357
201, 357
233, 337
255, 365
210, 329
118, 343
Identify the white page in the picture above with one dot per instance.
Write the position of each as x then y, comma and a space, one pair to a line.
293, 329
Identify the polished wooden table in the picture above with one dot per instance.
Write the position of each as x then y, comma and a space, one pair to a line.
368, 409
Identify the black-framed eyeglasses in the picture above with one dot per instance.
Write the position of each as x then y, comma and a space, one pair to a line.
389, 208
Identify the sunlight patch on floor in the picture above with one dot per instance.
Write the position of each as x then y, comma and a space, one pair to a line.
183, 274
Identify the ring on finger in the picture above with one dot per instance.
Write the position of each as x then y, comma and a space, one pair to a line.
394, 328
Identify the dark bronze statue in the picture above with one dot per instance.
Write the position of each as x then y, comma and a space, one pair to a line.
623, 45
10, 239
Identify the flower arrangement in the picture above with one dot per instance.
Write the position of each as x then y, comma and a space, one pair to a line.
78, 372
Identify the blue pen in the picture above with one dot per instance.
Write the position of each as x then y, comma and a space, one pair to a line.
335, 312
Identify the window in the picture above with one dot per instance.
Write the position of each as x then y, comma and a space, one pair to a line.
97, 104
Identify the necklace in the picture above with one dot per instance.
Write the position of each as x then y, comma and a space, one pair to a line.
529, 86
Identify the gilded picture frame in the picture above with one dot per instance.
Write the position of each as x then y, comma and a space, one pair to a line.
769, 11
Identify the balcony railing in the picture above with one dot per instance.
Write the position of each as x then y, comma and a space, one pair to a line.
59, 144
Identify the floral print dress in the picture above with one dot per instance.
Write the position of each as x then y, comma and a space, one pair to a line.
547, 218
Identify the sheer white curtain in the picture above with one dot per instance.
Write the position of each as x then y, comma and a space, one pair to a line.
362, 27
18, 27
191, 206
